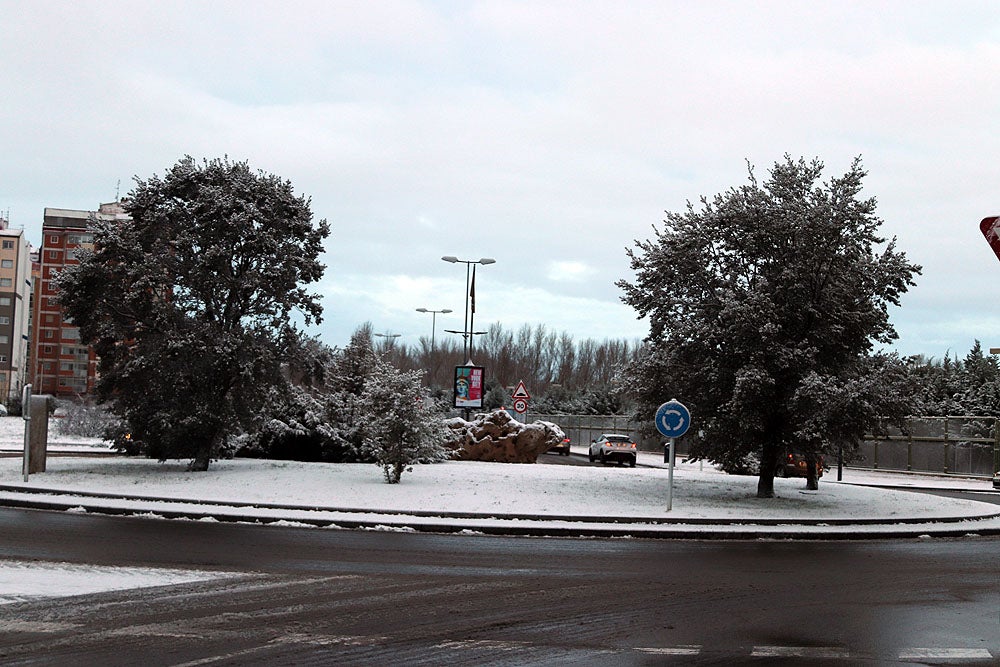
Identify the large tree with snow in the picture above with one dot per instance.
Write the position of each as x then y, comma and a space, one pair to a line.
190, 303
764, 305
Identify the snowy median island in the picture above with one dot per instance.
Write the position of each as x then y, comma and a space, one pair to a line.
700, 491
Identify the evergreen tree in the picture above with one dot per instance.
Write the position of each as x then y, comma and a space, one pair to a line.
189, 303
763, 306
400, 429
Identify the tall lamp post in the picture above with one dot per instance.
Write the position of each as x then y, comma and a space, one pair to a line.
469, 295
434, 314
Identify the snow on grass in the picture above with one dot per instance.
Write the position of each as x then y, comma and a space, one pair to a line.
485, 488
699, 491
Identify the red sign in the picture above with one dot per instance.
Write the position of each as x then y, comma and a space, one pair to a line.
520, 391
520, 406
991, 230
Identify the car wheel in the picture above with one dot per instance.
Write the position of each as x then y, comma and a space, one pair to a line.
603, 460
590, 456
631, 464
780, 472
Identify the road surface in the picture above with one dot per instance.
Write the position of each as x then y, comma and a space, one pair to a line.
300, 597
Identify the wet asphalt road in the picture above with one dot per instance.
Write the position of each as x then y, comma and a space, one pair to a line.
303, 597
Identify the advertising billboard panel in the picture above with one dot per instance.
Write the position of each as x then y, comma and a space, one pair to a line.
469, 386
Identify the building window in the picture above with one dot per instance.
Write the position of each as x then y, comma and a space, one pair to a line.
50, 334
8, 244
53, 254
5, 282
53, 239
4, 339
3, 358
47, 349
4, 319
4, 300
6, 264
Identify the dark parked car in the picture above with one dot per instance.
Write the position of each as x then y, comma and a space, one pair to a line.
794, 465
613, 447
561, 448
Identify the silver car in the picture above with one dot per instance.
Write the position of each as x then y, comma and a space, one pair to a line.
613, 447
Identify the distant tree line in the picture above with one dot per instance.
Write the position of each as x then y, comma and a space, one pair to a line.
952, 386
563, 375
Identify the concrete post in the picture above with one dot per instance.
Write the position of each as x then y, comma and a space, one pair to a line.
38, 432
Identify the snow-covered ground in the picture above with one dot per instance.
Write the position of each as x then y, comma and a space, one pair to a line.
699, 491
554, 494
21, 580
487, 488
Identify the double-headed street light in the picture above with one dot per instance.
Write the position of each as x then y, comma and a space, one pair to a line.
433, 320
470, 295
389, 338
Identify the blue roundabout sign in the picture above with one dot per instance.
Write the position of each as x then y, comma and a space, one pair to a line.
672, 419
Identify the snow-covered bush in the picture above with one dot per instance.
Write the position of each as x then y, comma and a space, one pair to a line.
309, 427
84, 420
400, 429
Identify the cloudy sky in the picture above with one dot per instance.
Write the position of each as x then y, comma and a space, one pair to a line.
546, 135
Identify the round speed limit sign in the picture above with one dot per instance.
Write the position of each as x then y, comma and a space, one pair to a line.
520, 406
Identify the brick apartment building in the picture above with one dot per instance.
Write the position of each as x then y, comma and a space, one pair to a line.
61, 365
15, 310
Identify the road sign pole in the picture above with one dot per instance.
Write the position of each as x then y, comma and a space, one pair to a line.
672, 421
670, 478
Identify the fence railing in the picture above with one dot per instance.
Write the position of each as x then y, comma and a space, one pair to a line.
960, 445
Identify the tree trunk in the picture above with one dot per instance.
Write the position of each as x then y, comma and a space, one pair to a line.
206, 449
768, 464
812, 476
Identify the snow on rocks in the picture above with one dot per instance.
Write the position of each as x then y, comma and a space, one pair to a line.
497, 436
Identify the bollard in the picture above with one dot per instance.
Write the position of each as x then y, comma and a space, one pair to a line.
38, 432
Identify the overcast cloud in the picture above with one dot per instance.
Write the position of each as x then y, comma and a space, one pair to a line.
547, 135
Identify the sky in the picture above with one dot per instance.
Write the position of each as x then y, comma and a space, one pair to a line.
549, 136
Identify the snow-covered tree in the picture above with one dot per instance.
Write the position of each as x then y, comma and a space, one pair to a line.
401, 428
763, 305
189, 303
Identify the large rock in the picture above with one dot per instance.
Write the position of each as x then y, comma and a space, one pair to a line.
499, 437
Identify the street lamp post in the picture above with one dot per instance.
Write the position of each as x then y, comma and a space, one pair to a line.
433, 320
467, 322
388, 340
467, 334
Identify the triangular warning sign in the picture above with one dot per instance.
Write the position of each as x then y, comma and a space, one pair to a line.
521, 391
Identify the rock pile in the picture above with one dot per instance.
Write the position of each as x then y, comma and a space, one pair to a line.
499, 437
